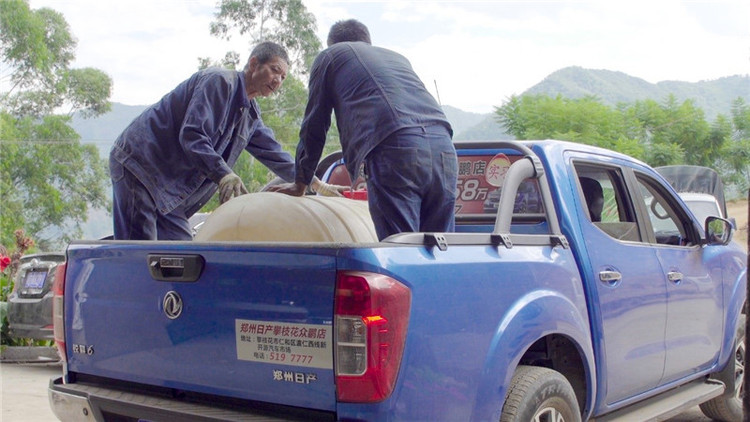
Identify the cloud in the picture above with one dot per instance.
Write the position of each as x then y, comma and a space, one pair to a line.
478, 52
485, 51
147, 47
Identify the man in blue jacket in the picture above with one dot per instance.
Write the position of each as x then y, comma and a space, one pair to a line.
387, 120
170, 160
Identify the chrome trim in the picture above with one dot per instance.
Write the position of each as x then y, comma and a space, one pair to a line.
69, 407
172, 304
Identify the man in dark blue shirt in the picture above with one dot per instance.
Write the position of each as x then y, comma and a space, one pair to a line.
387, 120
169, 161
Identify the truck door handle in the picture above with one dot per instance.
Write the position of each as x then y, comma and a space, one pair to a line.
180, 268
610, 277
674, 276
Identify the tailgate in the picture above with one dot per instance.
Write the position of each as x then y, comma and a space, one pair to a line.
250, 322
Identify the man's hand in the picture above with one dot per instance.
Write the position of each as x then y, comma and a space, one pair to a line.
230, 185
325, 189
293, 189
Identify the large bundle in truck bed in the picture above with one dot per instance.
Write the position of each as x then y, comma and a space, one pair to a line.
282, 218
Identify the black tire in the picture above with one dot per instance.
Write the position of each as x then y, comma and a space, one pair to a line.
323, 165
728, 408
327, 162
539, 394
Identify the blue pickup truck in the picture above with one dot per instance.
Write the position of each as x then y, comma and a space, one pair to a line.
589, 292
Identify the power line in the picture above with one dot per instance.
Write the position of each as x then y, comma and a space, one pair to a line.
84, 141
51, 142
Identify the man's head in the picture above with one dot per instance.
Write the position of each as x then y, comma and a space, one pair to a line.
348, 30
266, 51
265, 69
594, 195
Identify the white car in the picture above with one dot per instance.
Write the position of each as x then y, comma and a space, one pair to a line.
700, 188
702, 205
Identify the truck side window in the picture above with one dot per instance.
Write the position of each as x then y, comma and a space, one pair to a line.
603, 194
666, 221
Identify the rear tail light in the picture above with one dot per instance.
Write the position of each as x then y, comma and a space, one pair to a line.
58, 320
372, 314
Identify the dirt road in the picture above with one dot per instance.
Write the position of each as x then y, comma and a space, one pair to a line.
738, 210
23, 388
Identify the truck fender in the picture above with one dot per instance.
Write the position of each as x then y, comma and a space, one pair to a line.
735, 306
535, 315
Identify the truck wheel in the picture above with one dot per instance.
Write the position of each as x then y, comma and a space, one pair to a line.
540, 395
729, 408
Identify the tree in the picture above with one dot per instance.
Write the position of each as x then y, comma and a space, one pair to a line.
741, 119
48, 179
286, 22
584, 120
687, 127
36, 46
664, 133
737, 149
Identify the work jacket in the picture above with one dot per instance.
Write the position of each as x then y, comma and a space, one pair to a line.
373, 91
181, 147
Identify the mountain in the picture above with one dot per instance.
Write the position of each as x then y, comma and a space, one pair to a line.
487, 129
462, 120
469, 126
103, 130
714, 97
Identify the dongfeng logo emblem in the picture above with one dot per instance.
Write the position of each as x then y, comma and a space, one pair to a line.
172, 305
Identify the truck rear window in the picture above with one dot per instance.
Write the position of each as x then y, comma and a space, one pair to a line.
480, 179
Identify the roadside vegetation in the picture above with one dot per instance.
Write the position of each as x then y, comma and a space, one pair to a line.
9, 261
659, 133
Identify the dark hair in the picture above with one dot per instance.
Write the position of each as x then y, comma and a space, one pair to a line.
593, 193
266, 51
348, 30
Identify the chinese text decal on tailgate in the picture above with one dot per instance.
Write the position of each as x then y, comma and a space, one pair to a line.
306, 345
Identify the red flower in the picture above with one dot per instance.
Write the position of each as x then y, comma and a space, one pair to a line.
4, 262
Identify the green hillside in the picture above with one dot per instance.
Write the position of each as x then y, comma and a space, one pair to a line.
103, 130
714, 97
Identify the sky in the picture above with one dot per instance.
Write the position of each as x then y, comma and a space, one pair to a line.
472, 55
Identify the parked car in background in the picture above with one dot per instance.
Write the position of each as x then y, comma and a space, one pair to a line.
30, 302
700, 188
702, 205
